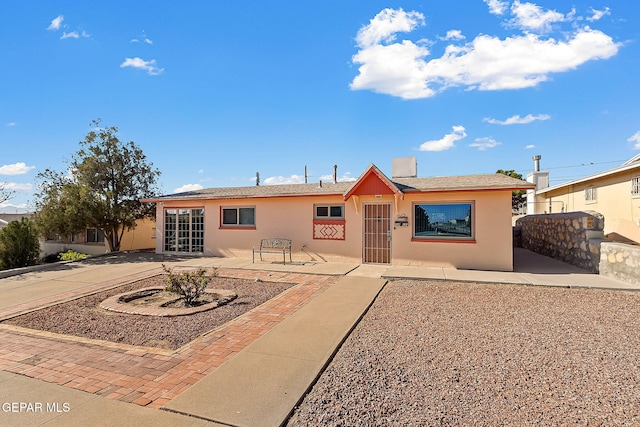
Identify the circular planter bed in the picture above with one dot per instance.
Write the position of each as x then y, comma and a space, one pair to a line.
154, 301
83, 317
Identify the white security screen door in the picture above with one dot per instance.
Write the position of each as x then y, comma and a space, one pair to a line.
377, 233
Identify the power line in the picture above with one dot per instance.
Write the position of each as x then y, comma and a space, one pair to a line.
578, 166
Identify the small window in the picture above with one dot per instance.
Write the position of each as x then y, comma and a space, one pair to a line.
590, 194
95, 236
240, 216
329, 211
635, 186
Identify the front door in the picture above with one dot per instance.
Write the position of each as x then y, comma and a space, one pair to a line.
377, 233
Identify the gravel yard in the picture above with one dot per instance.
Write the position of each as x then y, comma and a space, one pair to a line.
443, 353
84, 318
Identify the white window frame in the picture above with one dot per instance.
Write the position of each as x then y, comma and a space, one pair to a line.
591, 194
635, 186
184, 236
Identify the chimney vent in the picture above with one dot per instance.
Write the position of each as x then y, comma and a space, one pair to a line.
536, 163
404, 167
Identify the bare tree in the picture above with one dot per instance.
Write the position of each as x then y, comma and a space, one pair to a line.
5, 192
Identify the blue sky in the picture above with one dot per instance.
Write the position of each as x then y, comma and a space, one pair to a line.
214, 92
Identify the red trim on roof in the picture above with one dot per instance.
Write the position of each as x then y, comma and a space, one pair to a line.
371, 182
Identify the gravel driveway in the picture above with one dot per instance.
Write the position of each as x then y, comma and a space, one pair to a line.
443, 353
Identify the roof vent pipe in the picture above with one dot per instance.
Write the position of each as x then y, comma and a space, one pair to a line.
257, 179
320, 183
335, 174
536, 163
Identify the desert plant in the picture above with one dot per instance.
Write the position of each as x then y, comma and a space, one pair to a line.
188, 284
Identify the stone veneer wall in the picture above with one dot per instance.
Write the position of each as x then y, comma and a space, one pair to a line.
620, 261
572, 237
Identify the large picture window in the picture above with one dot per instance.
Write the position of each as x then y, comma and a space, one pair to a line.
449, 221
184, 230
239, 217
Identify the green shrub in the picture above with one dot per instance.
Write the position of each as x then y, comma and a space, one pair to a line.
19, 246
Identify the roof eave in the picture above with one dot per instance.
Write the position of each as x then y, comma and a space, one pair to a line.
619, 169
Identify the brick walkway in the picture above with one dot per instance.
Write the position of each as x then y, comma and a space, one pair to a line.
142, 375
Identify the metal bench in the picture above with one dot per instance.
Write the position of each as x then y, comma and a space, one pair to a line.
273, 246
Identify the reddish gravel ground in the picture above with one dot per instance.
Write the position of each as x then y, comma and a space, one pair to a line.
442, 353
84, 318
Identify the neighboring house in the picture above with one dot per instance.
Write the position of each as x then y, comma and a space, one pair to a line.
5, 219
459, 221
615, 193
91, 240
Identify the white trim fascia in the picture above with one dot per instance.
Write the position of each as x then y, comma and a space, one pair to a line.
625, 167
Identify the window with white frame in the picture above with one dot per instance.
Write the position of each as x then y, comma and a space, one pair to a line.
590, 194
241, 216
635, 186
184, 230
329, 211
448, 221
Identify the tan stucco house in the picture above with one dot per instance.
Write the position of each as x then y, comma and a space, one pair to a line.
458, 221
91, 241
615, 193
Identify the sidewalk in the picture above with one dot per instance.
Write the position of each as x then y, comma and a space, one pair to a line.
257, 386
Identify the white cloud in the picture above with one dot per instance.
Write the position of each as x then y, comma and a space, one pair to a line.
446, 142
16, 186
11, 124
19, 168
485, 143
497, 7
485, 63
529, 16
188, 187
635, 138
142, 39
70, 35
11, 208
149, 66
279, 180
384, 26
453, 35
517, 120
74, 35
56, 23
344, 178
598, 14
529, 147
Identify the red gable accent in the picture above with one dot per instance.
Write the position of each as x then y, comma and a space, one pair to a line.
371, 182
